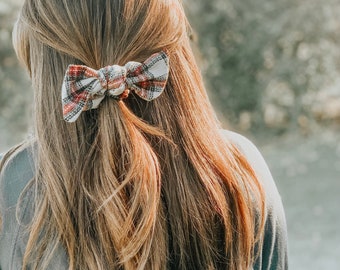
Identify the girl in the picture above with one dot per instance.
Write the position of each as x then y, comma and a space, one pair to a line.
129, 168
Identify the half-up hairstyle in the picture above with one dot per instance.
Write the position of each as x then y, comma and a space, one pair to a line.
132, 184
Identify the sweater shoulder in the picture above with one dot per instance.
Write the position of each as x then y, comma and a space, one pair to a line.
16, 172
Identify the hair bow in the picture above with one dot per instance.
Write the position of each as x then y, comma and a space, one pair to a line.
84, 88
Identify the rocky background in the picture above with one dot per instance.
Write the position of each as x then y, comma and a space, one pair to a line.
272, 70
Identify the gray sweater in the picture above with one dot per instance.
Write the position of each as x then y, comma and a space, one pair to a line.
17, 175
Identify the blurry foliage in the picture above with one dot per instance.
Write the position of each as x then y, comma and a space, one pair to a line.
15, 93
269, 65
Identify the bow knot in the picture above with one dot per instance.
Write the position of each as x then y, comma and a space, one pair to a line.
84, 88
113, 79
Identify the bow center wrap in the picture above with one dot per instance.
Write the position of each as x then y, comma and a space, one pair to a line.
112, 80
84, 88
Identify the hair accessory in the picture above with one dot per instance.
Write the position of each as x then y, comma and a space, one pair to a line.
84, 88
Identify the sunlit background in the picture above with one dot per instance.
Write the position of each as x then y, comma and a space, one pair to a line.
273, 73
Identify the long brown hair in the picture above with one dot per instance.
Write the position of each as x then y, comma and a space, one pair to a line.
133, 184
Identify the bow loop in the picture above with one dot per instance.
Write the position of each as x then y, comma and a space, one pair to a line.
84, 88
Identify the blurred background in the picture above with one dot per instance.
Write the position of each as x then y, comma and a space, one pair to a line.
272, 69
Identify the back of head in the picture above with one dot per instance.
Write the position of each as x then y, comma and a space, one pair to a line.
132, 184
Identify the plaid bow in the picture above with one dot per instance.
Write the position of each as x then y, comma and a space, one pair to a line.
84, 88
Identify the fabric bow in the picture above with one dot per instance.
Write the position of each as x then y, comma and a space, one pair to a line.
84, 88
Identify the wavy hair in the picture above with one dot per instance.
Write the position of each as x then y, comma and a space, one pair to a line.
133, 184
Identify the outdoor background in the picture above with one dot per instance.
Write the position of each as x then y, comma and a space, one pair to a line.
272, 69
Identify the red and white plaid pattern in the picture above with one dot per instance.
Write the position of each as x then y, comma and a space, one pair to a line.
84, 88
